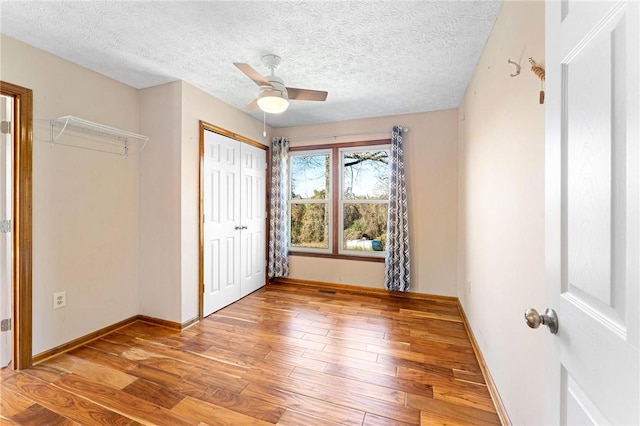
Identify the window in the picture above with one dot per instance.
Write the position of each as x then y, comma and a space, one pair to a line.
310, 206
339, 199
364, 199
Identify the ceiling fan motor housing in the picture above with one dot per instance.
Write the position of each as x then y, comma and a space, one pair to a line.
277, 86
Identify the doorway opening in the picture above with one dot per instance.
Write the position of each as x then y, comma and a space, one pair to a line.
20, 130
6, 219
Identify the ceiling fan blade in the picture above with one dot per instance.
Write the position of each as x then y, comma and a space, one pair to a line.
253, 105
254, 75
306, 95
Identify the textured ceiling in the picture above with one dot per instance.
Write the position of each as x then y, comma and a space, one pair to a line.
375, 58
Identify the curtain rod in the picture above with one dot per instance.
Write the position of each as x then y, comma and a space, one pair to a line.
404, 130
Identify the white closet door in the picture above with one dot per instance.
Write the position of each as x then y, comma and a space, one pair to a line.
252, 259
221, 199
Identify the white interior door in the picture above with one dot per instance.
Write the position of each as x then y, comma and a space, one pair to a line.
221, 202
252, 259
6, 244
592, 211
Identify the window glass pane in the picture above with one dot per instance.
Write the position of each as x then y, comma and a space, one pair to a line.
365, 226
310, 176
310, 225
365, 175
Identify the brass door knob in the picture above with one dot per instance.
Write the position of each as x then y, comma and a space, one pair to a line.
549, 318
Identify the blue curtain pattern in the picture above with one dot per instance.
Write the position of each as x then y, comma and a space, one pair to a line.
279, 206
396, 262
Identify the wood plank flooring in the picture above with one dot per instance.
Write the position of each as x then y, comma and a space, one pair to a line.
286, 355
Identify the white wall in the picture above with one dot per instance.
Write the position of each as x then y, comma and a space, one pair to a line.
85, 203
501, 208
431, 168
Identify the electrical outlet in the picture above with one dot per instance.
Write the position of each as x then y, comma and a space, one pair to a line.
59, 300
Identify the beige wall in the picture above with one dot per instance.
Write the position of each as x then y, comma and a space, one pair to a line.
196, 106
85, 203
160, 195
119, 235
501, 206
169, 200
431, 167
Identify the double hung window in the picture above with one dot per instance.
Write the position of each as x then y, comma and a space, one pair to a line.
310, 203
339, 200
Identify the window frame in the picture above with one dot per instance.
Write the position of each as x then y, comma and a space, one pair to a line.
327, 201
342, 200
335, 222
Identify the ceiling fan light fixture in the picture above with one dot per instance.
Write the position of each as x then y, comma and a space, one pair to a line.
272, 102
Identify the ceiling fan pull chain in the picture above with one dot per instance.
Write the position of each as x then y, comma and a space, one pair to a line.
264, 124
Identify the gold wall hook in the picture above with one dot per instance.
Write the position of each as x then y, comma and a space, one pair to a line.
538, 71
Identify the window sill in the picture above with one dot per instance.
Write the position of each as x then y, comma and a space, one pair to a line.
338, 256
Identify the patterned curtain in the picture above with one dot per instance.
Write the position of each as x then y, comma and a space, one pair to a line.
396, 263
279, 220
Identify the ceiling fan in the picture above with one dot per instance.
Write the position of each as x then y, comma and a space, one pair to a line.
273, 96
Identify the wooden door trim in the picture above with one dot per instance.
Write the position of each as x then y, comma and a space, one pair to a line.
22, 228
224, 132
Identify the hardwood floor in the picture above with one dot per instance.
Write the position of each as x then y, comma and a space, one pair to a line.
286, 355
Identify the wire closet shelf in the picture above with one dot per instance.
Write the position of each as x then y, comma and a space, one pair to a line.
119, 137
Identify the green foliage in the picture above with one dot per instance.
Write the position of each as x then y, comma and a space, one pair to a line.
309, 223
368, 221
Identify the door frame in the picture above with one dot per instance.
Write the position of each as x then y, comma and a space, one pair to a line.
224, 132
21, 285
